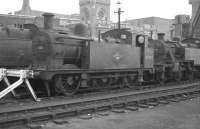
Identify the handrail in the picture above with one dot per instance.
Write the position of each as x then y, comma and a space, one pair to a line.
23, 76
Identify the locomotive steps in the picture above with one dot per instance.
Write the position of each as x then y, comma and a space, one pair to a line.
44, 111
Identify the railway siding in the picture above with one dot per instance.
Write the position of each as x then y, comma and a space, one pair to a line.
50, 110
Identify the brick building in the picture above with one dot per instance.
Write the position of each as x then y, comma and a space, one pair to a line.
63, 18
18, 21
152, 26
94, 13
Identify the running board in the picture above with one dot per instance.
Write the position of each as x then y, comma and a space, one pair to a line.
23, 76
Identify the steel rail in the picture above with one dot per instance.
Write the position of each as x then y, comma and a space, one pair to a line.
53, 109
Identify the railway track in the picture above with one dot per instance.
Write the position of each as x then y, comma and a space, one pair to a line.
24, 114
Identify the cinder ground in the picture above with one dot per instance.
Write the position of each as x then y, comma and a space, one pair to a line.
182, 115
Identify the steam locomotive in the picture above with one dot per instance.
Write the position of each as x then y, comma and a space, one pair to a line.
63, 63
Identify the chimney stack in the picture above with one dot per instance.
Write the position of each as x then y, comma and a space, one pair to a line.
26, 5
161, 36
48, 21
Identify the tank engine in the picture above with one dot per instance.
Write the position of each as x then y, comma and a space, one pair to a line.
173, 60
67, 62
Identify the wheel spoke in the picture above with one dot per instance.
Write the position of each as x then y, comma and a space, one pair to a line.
67, 85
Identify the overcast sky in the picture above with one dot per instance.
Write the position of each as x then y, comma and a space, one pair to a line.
133, 8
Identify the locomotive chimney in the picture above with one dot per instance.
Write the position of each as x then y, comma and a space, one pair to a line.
48, 21
161, 36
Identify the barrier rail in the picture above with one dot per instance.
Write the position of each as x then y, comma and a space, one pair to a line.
23, 76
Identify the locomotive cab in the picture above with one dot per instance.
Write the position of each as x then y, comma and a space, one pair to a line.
135, 47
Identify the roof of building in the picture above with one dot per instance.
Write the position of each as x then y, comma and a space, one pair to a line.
152, 17
27, 11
